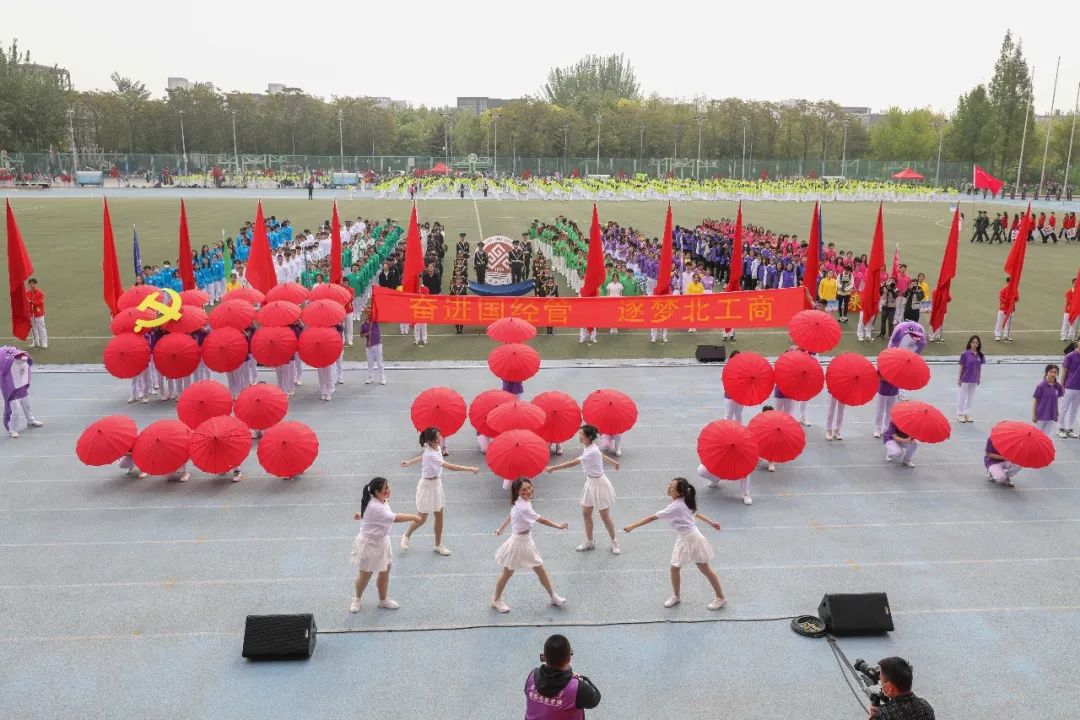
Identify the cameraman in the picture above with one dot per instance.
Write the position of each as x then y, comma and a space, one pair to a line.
903, 704
554, 691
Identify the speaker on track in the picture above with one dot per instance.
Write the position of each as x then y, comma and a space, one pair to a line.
710, 353
279, 637
856, 613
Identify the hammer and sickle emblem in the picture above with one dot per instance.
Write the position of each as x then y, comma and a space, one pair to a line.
166, 313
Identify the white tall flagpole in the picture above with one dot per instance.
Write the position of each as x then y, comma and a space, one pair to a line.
1023, 138
1072, 135
1049, 129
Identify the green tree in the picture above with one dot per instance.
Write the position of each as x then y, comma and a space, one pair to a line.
905, 135
592, 83
132, 97
969, 135
33, 103
1010, 96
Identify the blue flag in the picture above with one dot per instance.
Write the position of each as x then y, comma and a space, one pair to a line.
136, 255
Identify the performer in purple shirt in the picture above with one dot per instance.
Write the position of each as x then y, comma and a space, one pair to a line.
899, 445
15, 365
369, 330
1070, 404
998, 469
971, 363
1044, 406
886, 398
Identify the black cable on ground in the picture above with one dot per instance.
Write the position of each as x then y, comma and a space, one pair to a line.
611, 623
846, 669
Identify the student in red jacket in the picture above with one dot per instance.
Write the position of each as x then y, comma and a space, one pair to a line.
1006, 306
39, 337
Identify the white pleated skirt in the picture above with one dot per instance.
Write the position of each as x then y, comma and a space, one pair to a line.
691, 548
429, 496
518, 553
370, 555
598, 493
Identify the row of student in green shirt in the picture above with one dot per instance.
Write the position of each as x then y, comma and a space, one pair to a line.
369, 271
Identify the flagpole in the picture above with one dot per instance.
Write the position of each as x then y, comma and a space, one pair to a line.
1049, 128
1023, 138
1072, 135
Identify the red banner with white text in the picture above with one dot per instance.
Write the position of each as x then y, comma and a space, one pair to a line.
749, 309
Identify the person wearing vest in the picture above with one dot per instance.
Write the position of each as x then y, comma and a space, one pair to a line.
554, 691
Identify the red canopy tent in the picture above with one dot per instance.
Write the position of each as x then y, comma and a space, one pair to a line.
439, 169
907, 174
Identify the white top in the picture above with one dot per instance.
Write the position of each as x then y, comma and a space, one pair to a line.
681, 517
522, 516
614, 288
431, 463
592, 461
377, 521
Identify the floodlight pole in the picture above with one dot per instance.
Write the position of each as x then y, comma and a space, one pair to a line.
1049, 129
599, 119
1072, 136
1023, 137
697, 166
341, 139
940, 142
183, 140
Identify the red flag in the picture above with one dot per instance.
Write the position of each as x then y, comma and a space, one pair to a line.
259, 272
941, 296
110, 268
414, 257
663, 274
335, 247
735, 275
594, 267
872, 292
813, 255
19, 271
1014, 264
1074, 301
187, 271
984, 180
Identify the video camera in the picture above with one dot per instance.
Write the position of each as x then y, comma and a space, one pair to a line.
871, 678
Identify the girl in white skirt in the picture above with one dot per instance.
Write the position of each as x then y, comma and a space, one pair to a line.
690, 545
429, 492
371, 549
519, 550
598, 492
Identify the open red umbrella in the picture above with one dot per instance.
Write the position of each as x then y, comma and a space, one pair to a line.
484, 403
246, 294
516, 415
814, 331
201, 401
748, 378
518, 453
727, 449
261, 405
1022, 444
320, 347
439, 407
192, 318
162, 447
224, 349
779, 437
124, 321
232, 313
177, 356
278, 313
799, 375
194, 297
323, 313
127, 355
921, 421
514, 362
219, 444
610, 411
273, 346
563, 416
106, 440
851, 379
903, 368
288, 449
511, 330
331, 291
134, 295
289, 292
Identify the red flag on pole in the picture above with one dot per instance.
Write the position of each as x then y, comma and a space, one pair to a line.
110, 268
813, 255
735, 275
594, 267
187, 270
414, 257
941, 296
985, 181
663, 274
895, 272
259, 272
872, 292
335, 247
19, 271
1074, 301
1014, 264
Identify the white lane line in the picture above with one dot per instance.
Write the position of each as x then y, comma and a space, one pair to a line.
479, 227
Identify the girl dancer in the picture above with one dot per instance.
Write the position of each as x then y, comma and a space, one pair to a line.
690, 545
899, 445
371, 549
732, 409
598, 492
886, 398
971, 363
429, 491
519, 550
1044, 406
998, 469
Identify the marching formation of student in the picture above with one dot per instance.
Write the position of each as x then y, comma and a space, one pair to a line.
971, 362
371, 551
598, 492
430, 497
519, 551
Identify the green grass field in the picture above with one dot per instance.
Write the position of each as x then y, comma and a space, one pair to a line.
63, 236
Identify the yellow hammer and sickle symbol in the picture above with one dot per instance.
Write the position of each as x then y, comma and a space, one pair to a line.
165, 312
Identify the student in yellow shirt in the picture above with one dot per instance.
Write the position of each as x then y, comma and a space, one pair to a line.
695, 287
827, 290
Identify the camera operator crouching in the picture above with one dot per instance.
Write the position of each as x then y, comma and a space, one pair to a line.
895, 681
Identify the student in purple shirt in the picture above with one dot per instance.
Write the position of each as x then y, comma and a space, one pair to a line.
971, 363
1070, 404
899, 445
886, 398
998, 469
369, 330
1044, 406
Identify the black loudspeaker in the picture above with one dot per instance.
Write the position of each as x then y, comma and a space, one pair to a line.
279, 637
710, 353
856, 614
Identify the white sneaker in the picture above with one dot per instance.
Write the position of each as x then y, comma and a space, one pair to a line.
671, 601
370, 379
442, 550
836, 435
615, 548
382, 380
960, 419
806, 422
772, 467
908, 463
406, 543
888, 457
1070, 433
388, 604
618, 453
1062, 434
828, 435
717, 604
877, 433
184, 478
341, 381
747, 500
558, 601
145, 400
587, 545
499, 605
355, 606
13, 434
714, 483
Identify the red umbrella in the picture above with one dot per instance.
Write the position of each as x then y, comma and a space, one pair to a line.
516, 415
278, 313
330, 291
273, 346
124, 321
289, 292
727, 449
851, 379
224, 349
779, 437
439, 407
814, 331
127, 355
323, 313
1022, 444
748, 378
288, 449
106, 440
511, 330
514, 362
134, 295
563, 416
518, 453
201, 401
192, 318
903, 368
611, 411
177, 356
261, 406
320, 347
194, 297
246, 294
921, 421
232, 313
219, 444
484, 403
162, 447
799, 375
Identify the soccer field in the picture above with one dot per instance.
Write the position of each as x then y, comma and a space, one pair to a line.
63, 236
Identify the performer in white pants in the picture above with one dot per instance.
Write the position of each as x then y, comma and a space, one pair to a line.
886, 399
998, 469
899, 445
369, 331
732, 409
15, 371
658, 333
971, 362
714, 482
1070, 404
834, 418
